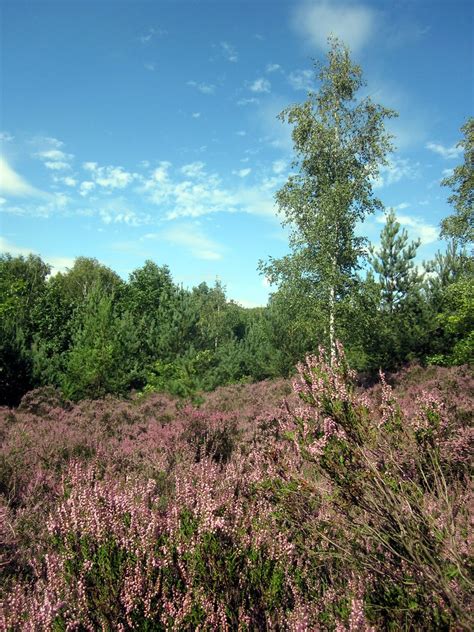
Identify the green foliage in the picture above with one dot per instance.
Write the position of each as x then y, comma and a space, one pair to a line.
16, 371
180, 377
394, 264
22, 284
339, 143
91, 333
103, 356
460, 225
86, 276
456, 322
397, 318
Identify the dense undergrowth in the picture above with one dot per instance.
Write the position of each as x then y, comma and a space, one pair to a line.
316, 506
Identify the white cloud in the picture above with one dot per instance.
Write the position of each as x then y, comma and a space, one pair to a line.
194, 169
196, 115
229, 52
417, 227
191, 237
447, 173
447, 153
109, 177
279, 166
67, 180
119, 217
47, 142
241, 133
160, 174
6, 137
242, 173
16, 251
147, 37
277, 133
420, 228
13, 185
301, 80
249, 304
261, 85
58, 264
86, 187
251, 101
51, 154
257, 200
272, 67
204, 88
352, 23
55, 159
396, 170
118, 210
192, 192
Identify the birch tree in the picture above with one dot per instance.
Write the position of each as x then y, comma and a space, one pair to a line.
339, 143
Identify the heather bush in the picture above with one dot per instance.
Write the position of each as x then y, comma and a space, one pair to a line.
340, 509
388, 473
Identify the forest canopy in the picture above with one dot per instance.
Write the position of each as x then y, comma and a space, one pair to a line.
90, 333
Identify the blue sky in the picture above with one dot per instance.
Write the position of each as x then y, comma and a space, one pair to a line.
136, 130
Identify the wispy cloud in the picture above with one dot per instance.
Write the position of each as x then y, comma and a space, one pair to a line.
55, 159
51, 153
352, 23
422, 229
396, 170
192, 238
200, 193
109, 177
248, 101
279, 166
58, 264
192, 192
150, 34
242, 173
86, 187
14, 185
418, 228
229, 52
150, 66
447, 153
66, 180
6, 137
261, 85
301, 80
120, 211
272, 68
196, 115
277, 134
194, 169
204, 88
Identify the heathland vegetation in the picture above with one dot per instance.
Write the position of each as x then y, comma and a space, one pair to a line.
171, 460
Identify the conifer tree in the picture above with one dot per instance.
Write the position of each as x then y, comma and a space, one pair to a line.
394, 264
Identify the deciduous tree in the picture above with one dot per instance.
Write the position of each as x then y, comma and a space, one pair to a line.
340, 143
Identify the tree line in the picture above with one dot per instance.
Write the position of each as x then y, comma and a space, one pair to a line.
90, 333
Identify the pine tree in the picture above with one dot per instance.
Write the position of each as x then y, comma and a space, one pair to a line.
394, 264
